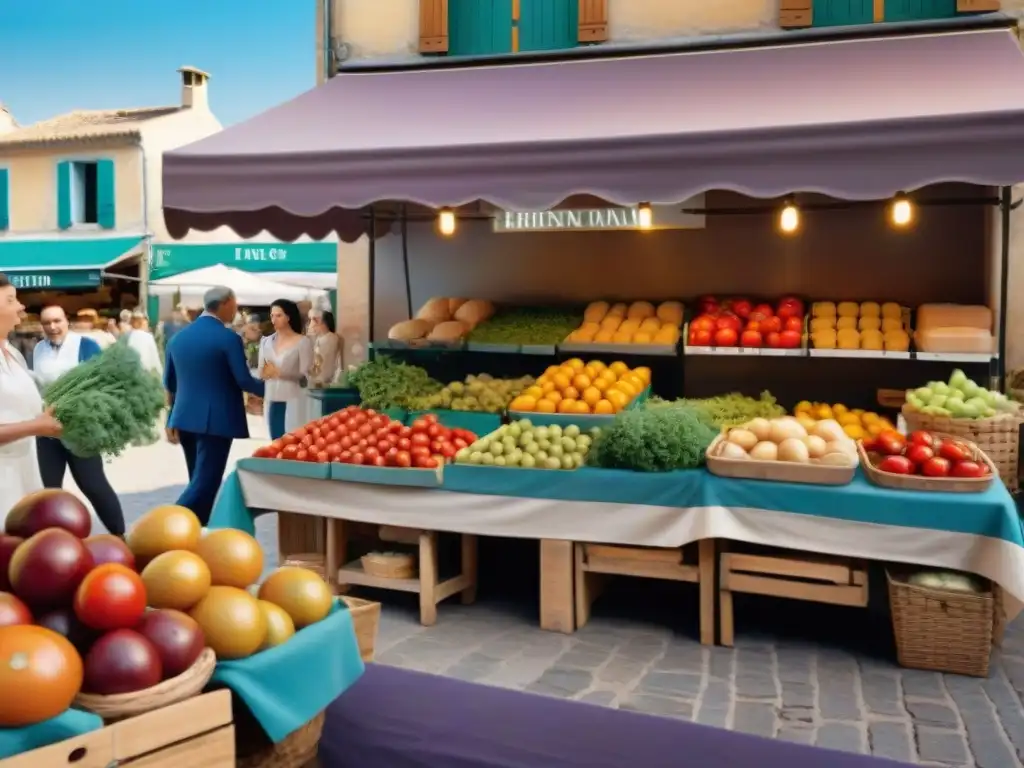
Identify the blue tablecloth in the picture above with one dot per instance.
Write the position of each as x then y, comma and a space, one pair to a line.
74, 722
287, 686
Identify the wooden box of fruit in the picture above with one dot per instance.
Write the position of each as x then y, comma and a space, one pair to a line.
627, 328
926, 461
196, 732
523, 445
784, 450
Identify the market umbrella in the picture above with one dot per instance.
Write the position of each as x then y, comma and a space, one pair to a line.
250, 290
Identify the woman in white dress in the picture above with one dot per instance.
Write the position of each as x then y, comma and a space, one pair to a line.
326, 348
22, 418
285, 358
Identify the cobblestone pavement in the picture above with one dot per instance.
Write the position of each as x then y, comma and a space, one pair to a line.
818, 691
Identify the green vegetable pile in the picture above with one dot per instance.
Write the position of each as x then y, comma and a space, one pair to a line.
107, 403
654, 440
482, 393
527, 326
384, 383
727, 410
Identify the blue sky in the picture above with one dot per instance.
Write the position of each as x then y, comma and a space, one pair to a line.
60, 55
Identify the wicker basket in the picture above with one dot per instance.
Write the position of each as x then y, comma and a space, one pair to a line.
930, 484
998, 437
254, 750
121, 705
942, 630
389, 565
365, 613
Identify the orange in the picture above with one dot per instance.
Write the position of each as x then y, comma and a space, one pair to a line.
554, 396
576, 364
596, 364
618, 368
641, 337
542, 380
626, 387
603, 406
567, 406
551, 370
603, 336
617, 398
638, 384
571, 393
644, 373
601, 384
609, 375
592, 371
582, 407
535, 392
581, 381
548, 387
611, 322
523, 403
591, 396
545, 406
561, 381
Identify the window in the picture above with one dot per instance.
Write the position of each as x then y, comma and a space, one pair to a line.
489, 27
794, 14
85, 193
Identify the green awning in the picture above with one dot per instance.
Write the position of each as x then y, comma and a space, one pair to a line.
169, 259
62, 263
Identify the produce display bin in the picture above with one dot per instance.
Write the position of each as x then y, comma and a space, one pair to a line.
287, 468
478, 423
331, 400
197, 731
581, 420
505, 349
778, 471
407, 476
539, 349
589, 349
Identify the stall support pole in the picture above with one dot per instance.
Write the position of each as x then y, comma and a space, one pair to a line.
1005, 208
372, 299
405, 261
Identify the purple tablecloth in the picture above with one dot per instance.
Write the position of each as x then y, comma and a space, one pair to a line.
394, 718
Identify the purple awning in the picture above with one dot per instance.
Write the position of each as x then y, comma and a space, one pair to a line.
854, 119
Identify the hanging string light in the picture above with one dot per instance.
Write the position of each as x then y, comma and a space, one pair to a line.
901, 212
446, 222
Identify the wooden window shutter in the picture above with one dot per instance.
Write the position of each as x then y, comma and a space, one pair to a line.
593, 21
433, 26
796, 14
977, 6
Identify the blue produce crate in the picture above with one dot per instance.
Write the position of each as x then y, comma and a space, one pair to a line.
581, 420
287, 468
476, 422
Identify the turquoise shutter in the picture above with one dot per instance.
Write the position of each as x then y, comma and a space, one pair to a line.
64, 195
546, 25
915, 10
105, 194
837, 13
5, 199
479, 27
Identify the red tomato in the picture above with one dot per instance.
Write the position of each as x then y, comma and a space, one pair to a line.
403, 459
726, 337
968, 469
742, 307
459, 443
111, 596
290, 451
751, 338
419, 451
936, 467
380, 461
370, 412
789, 339
383, 446
728, 322
420, 425
404, 443
897, 465
425, 462
345, 457
371, 453
323, 457
448, 450
395, 426
435, 430
356, 458
302, 455
773, 340
920, 437
262, 453
790, 306
771, 325
702, 323
365, 430
319, 444
277, 446
700, 338
919, 454
334, 451
418, 438
890, 442
954, 451
301, 432
346, 442
793, 323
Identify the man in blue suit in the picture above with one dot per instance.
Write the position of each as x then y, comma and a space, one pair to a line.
205, 377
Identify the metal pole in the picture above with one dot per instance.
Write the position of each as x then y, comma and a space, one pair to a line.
1005, 208
405, 261
373, 281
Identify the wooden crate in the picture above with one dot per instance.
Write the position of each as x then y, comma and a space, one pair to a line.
595, 563
789, 574
197, 733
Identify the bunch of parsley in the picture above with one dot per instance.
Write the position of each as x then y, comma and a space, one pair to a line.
107, 403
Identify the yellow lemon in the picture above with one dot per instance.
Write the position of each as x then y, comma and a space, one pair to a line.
618, 368
596, 364
576, 364
644, 373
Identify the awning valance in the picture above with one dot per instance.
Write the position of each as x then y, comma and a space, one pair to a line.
64, 262
855, 119
174, 258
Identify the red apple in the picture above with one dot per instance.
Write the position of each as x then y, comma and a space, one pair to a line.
726, 337
702, 323
707, 305
701, 338
7, 546
793, 323
762, 312
773, 340
751, 339
730, 322
789, 340
753, 325
742, 308
50, 508
771, 324
790, 306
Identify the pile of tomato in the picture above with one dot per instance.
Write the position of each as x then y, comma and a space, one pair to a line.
364, 436
922, 453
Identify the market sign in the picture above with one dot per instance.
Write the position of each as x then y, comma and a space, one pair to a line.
173, 259
600, 219
55, 280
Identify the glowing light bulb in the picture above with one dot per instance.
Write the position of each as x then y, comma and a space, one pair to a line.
645, 216
902, 212
789, 219
446, 222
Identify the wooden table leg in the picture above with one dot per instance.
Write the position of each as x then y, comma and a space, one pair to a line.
469, 568
335, 548
726, 632
557, 609
428, 578
706, 566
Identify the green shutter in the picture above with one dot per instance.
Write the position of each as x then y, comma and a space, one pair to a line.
915, 10
546, 25
479, 27
64, 195
837, 13
5, 199
105, 194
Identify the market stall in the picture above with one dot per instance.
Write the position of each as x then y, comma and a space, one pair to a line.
840, 203
250, 289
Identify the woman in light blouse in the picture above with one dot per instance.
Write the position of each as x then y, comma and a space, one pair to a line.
326, 349
285, 359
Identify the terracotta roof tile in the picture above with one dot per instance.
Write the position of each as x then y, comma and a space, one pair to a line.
85, 124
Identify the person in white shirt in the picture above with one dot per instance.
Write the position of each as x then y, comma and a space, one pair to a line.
58, 353
284, 362
142, 341
85, 325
